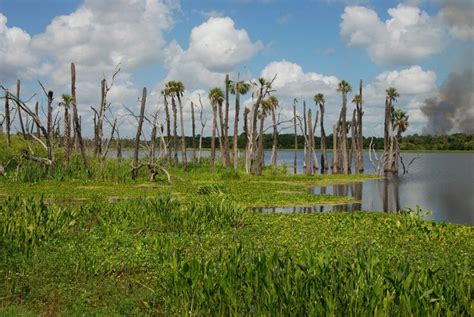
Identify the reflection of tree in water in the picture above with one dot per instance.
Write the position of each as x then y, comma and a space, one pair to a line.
356, 192
391, 195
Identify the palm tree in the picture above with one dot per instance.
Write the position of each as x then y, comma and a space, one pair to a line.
344, 88
320, 100
392, 95
216, 97
399, 125
237, 88
65, 102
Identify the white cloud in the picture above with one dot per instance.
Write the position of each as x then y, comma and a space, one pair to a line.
413, 80
409, 35
292, 81
216, 47
15, 53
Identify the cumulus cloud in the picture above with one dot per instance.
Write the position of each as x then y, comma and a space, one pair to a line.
413, 80
15, 53
216, 47
409, 35
292, 81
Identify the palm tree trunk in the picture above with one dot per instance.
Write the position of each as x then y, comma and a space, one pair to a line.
184, 158
387, 134
344, 147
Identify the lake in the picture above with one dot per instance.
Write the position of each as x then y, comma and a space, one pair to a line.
439, 182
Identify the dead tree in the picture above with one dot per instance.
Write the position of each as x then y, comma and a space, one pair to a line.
135, 166
47, 144
295, 159
20, 117
203, 125
77, 124
7, 118
193, 140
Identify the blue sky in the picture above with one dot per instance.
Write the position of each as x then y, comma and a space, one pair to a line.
297, 35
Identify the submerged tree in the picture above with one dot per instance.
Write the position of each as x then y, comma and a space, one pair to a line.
399, 125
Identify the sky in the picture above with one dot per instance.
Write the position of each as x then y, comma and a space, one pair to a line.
416, 46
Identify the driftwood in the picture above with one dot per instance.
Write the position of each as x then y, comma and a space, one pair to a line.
405, 169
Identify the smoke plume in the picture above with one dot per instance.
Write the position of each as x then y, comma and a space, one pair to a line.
459, 17
452, 110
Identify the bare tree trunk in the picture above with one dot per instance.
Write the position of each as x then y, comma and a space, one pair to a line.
305, 133
67, 135
387, 134
360, 152
344, 146
76, 117
194, 159
335, 159
7, 118
295, 160
119, 149
175, 132
222, 137
236, 128
38, 133
274, 140
22, 125
324, 154
213, 137
168, 130
309, 146
261, 150
184, 158
139, 133
313, 143
226, 123
354, 139
151, 153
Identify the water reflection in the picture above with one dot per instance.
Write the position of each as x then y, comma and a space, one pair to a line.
377, 195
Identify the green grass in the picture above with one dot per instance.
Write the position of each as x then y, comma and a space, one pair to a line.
161, 256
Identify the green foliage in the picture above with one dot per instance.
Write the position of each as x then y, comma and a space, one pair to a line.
356, 283
25, 222
211, 189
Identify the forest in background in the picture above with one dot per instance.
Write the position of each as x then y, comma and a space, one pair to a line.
415, 142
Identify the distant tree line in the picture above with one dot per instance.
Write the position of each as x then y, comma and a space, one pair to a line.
453, 142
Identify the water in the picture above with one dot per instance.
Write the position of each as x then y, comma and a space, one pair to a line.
439, 182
